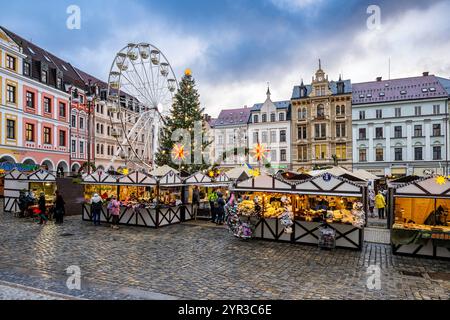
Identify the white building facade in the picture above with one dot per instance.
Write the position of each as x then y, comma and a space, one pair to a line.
401, 126
270, 126
230, 137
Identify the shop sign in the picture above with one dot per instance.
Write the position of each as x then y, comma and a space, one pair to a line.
6, 166
327, 177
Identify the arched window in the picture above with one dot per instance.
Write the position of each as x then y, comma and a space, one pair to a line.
320, 111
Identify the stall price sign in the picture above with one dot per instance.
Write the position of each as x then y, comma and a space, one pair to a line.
327, 177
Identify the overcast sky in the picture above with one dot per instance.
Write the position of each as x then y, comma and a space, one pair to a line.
234, 47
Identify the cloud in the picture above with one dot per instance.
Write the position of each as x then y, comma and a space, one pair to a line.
295, 4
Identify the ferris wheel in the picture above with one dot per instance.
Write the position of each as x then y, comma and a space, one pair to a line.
141, 88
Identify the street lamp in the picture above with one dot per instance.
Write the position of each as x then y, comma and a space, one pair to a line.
91, 96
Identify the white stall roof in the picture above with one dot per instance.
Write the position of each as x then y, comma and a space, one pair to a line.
137, 178
425, 187
239, 172
366, 175
99, 177
198, 179
328, 184
162, 171
39, 175
171, 178
264, 183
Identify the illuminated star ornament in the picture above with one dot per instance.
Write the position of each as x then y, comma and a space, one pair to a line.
441, 180
259, 152
188, 72
178, 152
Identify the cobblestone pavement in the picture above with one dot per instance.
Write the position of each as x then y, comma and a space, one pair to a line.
191, 261
13, 291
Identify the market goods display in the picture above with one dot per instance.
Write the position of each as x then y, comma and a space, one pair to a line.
238, 228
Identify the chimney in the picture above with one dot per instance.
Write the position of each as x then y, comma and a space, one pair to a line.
426, 73
379, 79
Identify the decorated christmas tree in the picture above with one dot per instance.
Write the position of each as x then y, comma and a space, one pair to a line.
187, 115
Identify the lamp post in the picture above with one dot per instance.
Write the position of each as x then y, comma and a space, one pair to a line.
91, 97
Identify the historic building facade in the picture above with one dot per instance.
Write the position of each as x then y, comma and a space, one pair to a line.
34, 113
401, 126
270, 126
321, 123
230, 135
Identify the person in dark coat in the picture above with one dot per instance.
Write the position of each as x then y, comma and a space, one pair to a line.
23, 204
59, 208
42, 209
220, 209
195, 201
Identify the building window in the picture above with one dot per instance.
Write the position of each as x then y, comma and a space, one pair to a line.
398, 154
62, 109
283, 154
264, 118
273, 155
303, 153
73, 146
255, 118
29, 132
437, 153
98, 149
379, 154
10, 129
301, 131
340, 111
340, 130
418, 110
59, 83
47, 105
81, 123
30, 99
379, 114
436, 129
264, 137
255, 137
362, 134
47, 135
321, 151
302, 113
44, 76
282, 135
341, 151
281, 116
436, 109
273, 136
320, 130
73, 121
397, 132
272, 117
62, 138
379, 133
10, 93
417, 130
362, 115
10, 62
26, 68
362, 155
418, 153
320, 111
398, 112
81, 147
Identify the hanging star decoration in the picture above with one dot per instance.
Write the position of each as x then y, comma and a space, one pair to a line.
188, 72
259, 152
254, 172
441, 180
178, 152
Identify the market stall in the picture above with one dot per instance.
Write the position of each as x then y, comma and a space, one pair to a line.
314, 204
420, 217
32, 182
146, 200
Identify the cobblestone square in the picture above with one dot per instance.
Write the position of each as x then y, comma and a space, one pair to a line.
198, 261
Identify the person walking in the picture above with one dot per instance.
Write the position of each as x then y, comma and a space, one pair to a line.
96, 207
60, 209
380, 204
195, 201
23, 204
371, 203
114, 207
220, 209
42, 209
212, 198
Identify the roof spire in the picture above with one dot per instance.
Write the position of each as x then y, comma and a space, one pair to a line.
301, 84
340, 77
320, 65
268, 91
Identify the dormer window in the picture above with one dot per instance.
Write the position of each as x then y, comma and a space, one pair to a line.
432, 89
382, 94
26, 68
272, 117
403, 92
369, 95
255, 118
386, 84
59, 83
281, 116
44, 76
361, 96
424, 90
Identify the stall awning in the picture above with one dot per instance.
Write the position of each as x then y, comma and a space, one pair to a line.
100, 177
36, 176
137, 179
197, 179
162, 171
264, 182
429, 187
329, 184
170, 179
